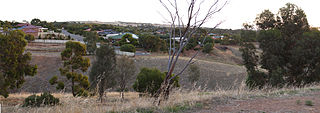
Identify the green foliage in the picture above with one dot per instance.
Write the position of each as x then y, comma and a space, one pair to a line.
74, 62
290, 50
208, 47
128, 48
231, 40
29, 37
102, 71
45, 99
128, 39
150, 42
149, 81
90, 41
193, 42
194, 73
308, 103
144, 110
248, 36
14, 61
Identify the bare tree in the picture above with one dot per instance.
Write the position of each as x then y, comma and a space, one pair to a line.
187, 27
125, 72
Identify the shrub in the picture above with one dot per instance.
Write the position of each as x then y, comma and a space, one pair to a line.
44, 99
208, 47
128, 48
149, 81
309, 103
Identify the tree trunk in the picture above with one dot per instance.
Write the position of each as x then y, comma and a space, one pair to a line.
122, 96
72, 88
101, 90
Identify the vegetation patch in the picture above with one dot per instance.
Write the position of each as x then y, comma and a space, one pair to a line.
45, 99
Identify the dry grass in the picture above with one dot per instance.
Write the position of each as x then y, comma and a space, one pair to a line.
133, 102
71, 104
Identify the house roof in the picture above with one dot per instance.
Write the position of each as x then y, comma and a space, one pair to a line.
23, 24
121, 34
30, 31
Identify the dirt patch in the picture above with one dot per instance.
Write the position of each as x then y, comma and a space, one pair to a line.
296, 104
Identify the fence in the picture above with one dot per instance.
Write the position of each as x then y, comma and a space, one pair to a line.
118, 52
52, 41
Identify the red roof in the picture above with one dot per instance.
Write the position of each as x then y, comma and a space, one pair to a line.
24, 24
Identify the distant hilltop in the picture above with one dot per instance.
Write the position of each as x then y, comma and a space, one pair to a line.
134, 24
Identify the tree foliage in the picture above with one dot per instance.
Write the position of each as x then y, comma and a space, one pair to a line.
128, 48
149, 81
91, 41
150, 42
29, 37
14, 62
73, 64
290, 53
102, 72
208, 47
128, 39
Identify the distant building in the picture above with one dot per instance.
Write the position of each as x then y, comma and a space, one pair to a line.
215, 36
120, 35
29, 29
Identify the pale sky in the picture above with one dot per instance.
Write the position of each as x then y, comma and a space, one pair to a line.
145, 11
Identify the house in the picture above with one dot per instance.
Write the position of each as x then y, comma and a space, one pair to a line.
29, 29
215, 36
120, 35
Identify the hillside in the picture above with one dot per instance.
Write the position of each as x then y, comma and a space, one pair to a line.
214, 73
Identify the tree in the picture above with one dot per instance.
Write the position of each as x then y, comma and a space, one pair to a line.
208, 47
128, 48
125, 72
14, 62
102, 72
73, 63
185, 28
150, 42
149, 81
91, 41
266, 20
35, 21
29, 38
128, 39
194, 73
289, 53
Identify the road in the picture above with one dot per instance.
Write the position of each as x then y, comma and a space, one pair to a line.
76, 37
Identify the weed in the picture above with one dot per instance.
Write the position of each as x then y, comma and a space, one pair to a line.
144, 110
308, 103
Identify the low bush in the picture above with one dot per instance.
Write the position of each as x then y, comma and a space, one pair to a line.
128, 48
208, 47
45, 99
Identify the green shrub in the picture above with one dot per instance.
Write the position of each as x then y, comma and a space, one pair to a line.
128, 48
149, 81
208, 47
44, 99
309, 103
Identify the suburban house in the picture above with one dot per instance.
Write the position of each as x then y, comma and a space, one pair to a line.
107, 32
215, 36
29, 29
119, 36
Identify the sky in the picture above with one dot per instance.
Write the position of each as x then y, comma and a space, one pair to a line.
233, 15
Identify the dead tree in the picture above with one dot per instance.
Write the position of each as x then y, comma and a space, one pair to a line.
187, 26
